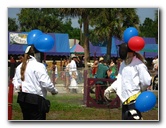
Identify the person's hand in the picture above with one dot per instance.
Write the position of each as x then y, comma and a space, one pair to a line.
54, 92
20, 87
107, 95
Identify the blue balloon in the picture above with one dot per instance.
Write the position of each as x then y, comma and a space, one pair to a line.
128, 33
44, 43
33, 35
145, 101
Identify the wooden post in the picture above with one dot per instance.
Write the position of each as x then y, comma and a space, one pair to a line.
45, 56
10, 100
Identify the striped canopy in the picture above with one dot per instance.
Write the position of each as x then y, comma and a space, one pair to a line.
77, 49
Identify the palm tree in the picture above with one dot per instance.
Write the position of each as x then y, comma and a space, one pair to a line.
112, 22
85, 14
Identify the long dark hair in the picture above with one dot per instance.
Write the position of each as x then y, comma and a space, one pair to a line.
139, 56
25, 61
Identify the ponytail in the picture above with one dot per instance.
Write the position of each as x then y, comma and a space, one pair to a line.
29, 51
23, 67
139, 56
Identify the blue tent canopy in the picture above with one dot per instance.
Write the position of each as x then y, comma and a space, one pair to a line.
16, 48
61, 45
150, 48
102, 50
149, 54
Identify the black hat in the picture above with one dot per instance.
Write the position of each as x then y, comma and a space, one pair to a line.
123, 50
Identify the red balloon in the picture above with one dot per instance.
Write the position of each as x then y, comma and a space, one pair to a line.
136, 43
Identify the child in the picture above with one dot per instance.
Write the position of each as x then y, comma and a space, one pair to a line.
73, 84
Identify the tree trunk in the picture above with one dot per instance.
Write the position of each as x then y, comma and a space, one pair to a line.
81, 33
109, 47
86, 40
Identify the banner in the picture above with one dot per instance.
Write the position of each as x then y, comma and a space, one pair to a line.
18, 38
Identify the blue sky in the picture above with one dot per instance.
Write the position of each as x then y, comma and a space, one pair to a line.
142, 13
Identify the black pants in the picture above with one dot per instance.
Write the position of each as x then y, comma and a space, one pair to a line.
32, 112
126, 108
31, 106
99, 92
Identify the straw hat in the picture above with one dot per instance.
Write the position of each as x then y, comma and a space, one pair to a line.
73, 56
101, 59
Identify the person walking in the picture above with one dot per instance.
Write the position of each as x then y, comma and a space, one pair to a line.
73, 65
73, 72
12, 64
54, 72
67, 75
133, 78
32, 82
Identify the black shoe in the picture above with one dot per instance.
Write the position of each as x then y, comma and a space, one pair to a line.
91, 91
100, 102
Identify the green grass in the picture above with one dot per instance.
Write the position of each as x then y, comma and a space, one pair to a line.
69, 107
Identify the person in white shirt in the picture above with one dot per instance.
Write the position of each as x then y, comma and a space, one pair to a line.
67, 75
32, 83
132, 79
73, 66
73, 70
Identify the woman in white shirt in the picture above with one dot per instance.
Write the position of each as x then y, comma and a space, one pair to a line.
132, 79
73, 66
32, 82
67, 75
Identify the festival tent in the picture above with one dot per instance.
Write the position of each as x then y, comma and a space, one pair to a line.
77, 49
61, 45
16, 49
148, 40
72, 42
150, 50
94, 50
16, 43
102, 50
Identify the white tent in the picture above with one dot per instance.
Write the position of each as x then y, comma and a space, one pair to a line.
72, 42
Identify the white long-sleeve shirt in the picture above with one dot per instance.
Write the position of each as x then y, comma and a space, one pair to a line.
36, 80
72, 67
131, 79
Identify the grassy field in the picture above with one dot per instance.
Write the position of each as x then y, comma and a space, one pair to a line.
69, 107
